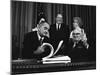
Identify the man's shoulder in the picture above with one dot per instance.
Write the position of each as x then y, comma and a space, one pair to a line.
53, 26
66, 26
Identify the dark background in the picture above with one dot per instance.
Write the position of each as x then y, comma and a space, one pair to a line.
24, 17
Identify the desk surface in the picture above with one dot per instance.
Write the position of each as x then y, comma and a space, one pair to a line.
28, 66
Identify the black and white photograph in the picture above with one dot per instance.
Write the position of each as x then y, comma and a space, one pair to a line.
52, 37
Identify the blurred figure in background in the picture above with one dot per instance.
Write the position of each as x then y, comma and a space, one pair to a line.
59, 32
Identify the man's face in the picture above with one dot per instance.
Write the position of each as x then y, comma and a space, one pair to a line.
77, 35
43, 29
59, 19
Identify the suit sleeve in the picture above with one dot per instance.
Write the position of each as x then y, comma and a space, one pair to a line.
28, 46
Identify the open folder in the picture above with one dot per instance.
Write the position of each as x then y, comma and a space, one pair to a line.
51, 58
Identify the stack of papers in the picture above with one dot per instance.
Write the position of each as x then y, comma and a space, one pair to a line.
58, 59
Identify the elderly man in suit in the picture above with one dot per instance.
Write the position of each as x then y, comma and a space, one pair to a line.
33, 40
59, 31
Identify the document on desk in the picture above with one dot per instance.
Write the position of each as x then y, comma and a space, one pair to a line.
57, 59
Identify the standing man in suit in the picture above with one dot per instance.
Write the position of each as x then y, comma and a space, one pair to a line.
33, 41
59, 31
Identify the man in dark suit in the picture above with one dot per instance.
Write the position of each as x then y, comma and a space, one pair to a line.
33, 41
58, 32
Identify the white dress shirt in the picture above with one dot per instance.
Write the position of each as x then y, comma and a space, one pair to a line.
58, 26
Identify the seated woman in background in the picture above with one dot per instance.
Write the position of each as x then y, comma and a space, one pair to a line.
78, 41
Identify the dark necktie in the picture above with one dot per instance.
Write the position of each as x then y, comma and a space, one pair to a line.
58, 26
41, 41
